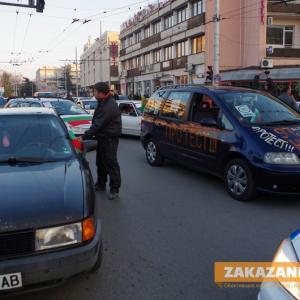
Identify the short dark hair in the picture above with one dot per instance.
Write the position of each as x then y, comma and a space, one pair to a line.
102, 87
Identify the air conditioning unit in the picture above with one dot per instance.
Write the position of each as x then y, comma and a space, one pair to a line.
267, 63
270, 21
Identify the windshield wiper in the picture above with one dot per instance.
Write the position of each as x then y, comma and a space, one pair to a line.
30, 160
280, 122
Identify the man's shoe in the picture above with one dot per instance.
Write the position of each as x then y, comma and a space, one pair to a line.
100, 187
113, 196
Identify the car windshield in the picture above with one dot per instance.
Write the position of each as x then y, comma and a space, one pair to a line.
139, 109
90, 104
65, 107
259, 109
38, 138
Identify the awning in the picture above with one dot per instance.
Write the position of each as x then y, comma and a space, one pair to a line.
275, 74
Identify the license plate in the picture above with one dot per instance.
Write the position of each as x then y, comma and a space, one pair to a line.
10, 281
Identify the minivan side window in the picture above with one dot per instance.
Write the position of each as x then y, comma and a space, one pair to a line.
154, 104
175, 106
203, 108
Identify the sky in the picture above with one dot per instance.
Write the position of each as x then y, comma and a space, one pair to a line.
48, 38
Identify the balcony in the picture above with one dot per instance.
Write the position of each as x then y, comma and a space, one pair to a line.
285, 52
133, 72
179, 63
167, 65
290, 8
123, 52
196, 21
114, 71
150, 40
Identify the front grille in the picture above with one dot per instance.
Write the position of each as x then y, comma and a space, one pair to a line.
16, 243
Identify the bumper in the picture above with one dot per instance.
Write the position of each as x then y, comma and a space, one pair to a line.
273, 291
50, 269
278, 182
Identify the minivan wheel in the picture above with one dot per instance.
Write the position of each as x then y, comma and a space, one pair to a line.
239, 180
153, 154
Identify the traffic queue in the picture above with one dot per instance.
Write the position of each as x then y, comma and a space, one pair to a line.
248, 138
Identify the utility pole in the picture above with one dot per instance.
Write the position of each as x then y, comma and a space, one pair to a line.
217, 43
76, 72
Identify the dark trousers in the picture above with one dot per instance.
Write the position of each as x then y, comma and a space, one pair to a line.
107, 163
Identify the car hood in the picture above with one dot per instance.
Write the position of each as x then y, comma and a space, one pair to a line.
82, 121
35, 196
278, 138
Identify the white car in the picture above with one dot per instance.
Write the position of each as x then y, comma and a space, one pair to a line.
131, 116
288, 252
88, 104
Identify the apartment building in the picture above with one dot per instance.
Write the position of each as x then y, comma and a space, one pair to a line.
256, 36
100, 61
48, 79
163, 44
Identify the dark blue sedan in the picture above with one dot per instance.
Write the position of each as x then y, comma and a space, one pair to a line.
248, 138
49, 226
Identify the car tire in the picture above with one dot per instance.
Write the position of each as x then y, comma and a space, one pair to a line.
153, 155
98, 263
239, 181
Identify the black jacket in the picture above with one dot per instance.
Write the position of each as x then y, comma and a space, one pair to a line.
106, 121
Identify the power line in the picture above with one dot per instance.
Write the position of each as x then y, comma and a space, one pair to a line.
15, 32
26, 33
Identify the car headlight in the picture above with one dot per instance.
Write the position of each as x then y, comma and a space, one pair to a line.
281, 158
286, 253
66, 235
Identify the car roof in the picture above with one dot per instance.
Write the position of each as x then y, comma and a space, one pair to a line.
131, 101
27, 111
208, 88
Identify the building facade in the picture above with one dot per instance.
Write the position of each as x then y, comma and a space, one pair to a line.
49, 79
257, 37
100, 61
162, 45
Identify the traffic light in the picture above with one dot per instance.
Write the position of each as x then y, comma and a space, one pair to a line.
210, 73
40, 5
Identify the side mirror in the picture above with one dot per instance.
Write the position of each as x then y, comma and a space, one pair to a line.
209, 122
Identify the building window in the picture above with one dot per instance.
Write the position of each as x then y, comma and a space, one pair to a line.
138, 36
156, 56
198, 44
147, 59
156, 27
130, 43
168, 21
139, 61
147, 32
181, 49
198, 7
181, 15
168, 53
280, 35
123, 44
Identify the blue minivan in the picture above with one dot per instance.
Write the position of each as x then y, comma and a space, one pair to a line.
248, 138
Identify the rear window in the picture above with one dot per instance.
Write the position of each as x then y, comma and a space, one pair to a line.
154, 104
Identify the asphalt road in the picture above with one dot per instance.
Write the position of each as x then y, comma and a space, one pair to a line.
168, 228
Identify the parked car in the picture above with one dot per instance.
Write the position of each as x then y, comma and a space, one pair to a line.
88, 104
49, 226
288, 252
248, 138
122, 97
78, 119
131, 117
2, 102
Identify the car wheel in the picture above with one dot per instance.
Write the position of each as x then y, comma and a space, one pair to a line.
98, 263
153, 154
239, 180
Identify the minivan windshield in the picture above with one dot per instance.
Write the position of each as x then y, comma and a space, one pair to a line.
259, 109
33, 138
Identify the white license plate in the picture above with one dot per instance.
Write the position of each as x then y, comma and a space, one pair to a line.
10, 281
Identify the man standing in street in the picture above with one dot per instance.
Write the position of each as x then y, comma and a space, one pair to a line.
106, 128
